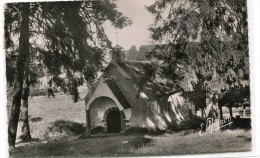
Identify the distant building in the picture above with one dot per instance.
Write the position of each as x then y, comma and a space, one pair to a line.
122, 98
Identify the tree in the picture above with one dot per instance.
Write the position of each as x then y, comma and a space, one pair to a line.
144, 51
141, 54
132, 53
208, 38
234, 97
20, 66
31, 76
26, 135
65, 38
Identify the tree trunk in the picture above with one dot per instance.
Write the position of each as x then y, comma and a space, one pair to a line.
26, 135
220, 112
230, 111
88, 128
76, 94
21, 60
202, 113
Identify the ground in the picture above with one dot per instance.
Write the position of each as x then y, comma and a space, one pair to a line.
64, 115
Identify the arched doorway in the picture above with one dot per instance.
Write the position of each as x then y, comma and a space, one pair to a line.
114, 120
98, 108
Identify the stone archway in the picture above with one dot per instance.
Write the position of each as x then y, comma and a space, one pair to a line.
114, 119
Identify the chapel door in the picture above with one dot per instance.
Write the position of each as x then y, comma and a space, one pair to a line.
113, 122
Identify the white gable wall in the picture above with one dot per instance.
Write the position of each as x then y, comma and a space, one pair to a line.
101, 90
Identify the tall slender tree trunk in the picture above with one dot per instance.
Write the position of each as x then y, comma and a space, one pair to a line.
230, 111
21, 60
220, 110
220, 96
26, 135
202, 113
75, 93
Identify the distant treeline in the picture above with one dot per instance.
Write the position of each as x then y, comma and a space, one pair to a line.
138, 55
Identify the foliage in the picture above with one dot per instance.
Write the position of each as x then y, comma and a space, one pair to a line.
132, 53
97, 129
241, 123
197, 96
206, 37
235, 96
65, 38
194, 123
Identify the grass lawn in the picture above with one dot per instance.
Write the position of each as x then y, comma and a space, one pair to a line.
167, 144
226, 141
44, 112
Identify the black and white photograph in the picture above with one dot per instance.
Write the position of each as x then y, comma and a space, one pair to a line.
116, 78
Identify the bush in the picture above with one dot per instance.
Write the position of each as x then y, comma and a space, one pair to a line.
97, 129
193, 123
241, 123
61, 128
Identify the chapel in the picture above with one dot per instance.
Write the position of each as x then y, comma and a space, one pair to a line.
130, 94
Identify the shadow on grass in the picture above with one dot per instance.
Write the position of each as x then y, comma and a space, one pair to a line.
35, 119
246, 138
28, 141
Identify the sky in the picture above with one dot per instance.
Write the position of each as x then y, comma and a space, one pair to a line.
137, 33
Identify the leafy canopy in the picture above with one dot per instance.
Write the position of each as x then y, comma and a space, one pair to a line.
67, 39
205, 42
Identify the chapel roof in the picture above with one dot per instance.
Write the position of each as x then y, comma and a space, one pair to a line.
118, 93
146, 76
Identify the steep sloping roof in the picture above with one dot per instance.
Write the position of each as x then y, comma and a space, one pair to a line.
148, 78
118, 93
